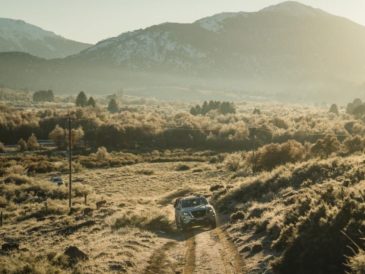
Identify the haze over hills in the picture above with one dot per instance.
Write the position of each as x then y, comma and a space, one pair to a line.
289, 51
17, 35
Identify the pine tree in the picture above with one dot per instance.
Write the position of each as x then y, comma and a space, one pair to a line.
91, 102
334, 109
81, 100
113, 106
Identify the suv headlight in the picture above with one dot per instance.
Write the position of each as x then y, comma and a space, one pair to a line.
210, 210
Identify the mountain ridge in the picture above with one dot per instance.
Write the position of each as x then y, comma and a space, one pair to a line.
18, 35
288, 48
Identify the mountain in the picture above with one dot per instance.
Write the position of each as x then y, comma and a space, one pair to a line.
287, 51
17, 35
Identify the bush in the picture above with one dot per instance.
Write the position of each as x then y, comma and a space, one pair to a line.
234, 162
153, 220
273, 155
354, 144
182, 167
326, 146
22, 145
58, 136
357, 263
102, 154
32, 142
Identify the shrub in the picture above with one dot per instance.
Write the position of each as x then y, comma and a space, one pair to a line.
58, 136
182, 167
154, 220
22, 145
326, 146
32, 142
354, 144
272, 155
234, 162
357, 263
102, 154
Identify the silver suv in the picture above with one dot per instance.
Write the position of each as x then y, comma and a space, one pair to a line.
194, 210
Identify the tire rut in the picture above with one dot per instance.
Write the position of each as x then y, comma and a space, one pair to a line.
199, 252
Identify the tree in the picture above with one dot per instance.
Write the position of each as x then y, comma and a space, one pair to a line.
91, 102
221, 107
352, 106
32, 142
227, 107
81, 99
113, 106
43, 96
334, 109
58, 136
22, 145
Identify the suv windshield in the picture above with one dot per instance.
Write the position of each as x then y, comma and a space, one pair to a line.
193, 202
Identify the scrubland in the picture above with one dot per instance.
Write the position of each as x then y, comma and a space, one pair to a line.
287, 181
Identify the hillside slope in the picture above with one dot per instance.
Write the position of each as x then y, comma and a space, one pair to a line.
288, 51
17, 35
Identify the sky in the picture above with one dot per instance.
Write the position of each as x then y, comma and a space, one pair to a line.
94, 20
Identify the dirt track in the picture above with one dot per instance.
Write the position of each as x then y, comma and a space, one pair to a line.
197, 252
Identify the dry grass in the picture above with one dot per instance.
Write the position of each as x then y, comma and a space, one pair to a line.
300, 209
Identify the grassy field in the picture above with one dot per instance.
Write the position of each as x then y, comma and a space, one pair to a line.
291, 194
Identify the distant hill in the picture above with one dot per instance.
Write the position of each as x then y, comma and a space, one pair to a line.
17, 35
288, 51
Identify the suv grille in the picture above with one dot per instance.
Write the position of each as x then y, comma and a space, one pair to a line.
198, 213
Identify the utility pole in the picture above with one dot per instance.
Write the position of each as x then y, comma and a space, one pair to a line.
253, 136
69, 162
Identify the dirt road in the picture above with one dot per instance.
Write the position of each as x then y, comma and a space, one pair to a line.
200, 251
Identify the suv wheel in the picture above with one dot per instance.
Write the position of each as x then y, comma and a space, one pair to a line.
213, 224
183, 227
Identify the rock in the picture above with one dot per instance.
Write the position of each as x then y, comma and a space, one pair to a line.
75, 254
10, 246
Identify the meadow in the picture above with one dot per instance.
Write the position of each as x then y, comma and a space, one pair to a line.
287, 182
